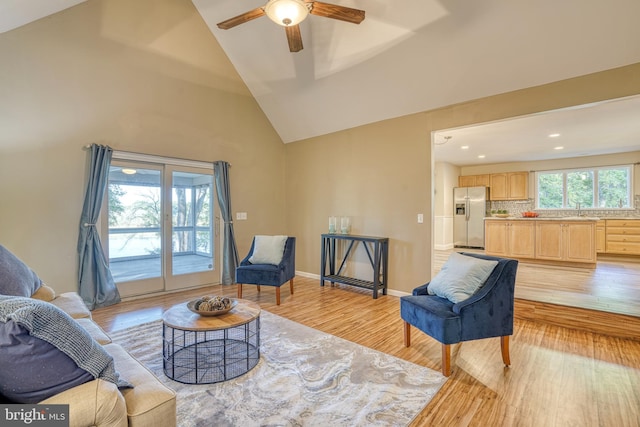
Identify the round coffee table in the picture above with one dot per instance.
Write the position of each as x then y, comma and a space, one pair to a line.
209, 349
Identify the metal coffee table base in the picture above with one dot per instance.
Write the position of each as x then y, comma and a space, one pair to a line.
205, 357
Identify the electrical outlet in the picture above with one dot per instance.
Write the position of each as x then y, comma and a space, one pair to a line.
241, 215
420, 218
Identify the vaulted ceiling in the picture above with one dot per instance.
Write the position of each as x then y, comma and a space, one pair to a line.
407, 56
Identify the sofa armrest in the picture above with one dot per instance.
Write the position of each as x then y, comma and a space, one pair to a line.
96, 403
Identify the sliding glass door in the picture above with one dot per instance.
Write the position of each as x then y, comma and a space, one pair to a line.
160, 227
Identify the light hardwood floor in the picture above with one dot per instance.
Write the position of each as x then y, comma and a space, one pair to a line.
613, 286
558, 376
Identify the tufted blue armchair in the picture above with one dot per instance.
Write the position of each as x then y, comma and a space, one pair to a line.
487, 313
268, 274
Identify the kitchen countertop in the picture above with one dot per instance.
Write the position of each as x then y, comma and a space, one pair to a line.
566, 218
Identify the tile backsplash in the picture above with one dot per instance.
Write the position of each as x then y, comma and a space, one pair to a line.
517, 207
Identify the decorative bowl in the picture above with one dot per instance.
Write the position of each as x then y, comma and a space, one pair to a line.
501, 215
530, 214
191, 305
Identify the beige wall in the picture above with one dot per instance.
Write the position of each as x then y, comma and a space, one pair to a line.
148, 76
382, 173
144, 76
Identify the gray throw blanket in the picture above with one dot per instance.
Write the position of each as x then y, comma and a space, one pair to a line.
48, 323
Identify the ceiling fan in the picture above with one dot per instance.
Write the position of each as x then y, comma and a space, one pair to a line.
289, 14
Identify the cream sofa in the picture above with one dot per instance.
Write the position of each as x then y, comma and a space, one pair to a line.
101, 403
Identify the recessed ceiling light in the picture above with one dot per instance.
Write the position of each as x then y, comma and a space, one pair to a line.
481, 156
558, 148
554, 135
128, 171
464, 147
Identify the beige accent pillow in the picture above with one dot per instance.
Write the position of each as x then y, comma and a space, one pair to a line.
268, 249
44, 293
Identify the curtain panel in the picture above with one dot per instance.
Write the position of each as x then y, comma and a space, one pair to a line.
96, 285
229, 250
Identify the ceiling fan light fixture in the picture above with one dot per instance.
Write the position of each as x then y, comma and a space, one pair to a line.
286, 12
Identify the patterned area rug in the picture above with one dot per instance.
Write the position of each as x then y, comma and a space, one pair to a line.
304, 378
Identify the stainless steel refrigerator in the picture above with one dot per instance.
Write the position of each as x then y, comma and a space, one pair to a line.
470, 207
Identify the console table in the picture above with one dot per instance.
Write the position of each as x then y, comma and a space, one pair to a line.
377, 249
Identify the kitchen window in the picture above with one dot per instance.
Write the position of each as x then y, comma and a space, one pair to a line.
585, 188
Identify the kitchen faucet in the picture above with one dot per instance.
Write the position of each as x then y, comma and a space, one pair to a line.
578, 207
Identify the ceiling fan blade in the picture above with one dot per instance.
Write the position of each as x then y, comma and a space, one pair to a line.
294, 38
241, 19
355, 16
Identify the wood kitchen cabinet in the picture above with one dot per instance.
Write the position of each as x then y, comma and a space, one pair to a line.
601, 236
571, 241
623, 236
509, 186
510, 238
474, 181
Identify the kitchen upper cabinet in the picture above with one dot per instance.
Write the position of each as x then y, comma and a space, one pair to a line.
483, 180
510, 238
509, 186
467, 181
474, 181
572, 241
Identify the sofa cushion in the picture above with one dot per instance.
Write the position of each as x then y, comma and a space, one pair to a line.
44, 322
460, 277
149, 402
72, 304
16, 278
268, 249
33, 369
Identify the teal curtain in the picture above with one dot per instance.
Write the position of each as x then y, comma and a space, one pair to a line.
96, 285
229, 250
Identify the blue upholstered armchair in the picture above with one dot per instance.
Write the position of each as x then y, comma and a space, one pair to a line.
486, 313
268, 274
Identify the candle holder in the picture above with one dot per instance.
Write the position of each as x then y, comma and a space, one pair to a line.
345, 225
333, 224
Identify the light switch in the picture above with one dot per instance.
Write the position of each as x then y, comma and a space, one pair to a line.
241, 215
420, 218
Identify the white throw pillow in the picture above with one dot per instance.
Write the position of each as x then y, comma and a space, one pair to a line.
460, 277
268, 249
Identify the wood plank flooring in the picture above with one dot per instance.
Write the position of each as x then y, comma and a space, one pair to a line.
613, 286
558, 376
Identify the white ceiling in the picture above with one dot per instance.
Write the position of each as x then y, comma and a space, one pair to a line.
409, 56
587, 130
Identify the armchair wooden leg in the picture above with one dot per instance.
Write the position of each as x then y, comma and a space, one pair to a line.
277, 295
291, 286
446, 359
407, 334
258, 286
239, 290
504, 346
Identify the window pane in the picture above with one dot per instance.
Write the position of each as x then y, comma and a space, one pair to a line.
192, 239
580, 189
134, 223
613, 188
550, 190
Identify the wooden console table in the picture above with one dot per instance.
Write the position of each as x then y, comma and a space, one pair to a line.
377, 249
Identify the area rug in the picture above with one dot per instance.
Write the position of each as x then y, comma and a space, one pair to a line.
304, 378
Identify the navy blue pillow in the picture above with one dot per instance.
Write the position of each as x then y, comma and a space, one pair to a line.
33, 369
